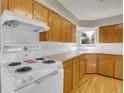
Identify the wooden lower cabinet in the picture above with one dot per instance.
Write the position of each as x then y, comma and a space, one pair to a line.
68, 76
76, 71
90, 60
103, 64
106, 65
118, 66
82, 66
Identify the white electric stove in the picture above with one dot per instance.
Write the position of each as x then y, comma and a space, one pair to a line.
32, 76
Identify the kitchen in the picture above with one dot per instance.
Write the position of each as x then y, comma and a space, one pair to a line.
71, 46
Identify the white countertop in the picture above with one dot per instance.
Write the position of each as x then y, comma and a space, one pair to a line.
69, 55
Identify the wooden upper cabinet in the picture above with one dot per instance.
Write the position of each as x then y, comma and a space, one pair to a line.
55, 24
4, 4
66, 31
23, 7
118, 70
118, 33
111, 34
106, 34
73, 33
41, 13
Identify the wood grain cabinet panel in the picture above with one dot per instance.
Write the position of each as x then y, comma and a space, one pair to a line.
111, 34
118, 70
23, 7
106, 65
76, 71
106, 34
90, 60
68, 76
73, 33
55, 24
41, 13
82, 66
4, 4
118, 33
66, 31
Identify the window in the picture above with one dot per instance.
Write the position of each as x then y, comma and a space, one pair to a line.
88, 37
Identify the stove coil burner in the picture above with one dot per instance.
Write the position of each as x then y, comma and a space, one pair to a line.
40, 58
24, 69
48, 61
14, 64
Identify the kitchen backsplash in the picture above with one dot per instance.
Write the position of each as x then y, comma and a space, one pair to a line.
52, 48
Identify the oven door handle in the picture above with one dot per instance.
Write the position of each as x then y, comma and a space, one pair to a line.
37, 82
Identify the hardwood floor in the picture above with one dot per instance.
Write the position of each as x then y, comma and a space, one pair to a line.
93, 83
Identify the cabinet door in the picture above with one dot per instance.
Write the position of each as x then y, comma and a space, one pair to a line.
23, 7
55, 24
68, 76
118, 33
82, 66
4, 4
106, 34
76, 72
41, 13
66, 31
118, 70
106, 65
73, 33
90, 63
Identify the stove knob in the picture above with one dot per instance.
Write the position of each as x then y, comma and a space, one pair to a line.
31, 78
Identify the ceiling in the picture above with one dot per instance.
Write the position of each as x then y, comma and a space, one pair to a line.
93, 9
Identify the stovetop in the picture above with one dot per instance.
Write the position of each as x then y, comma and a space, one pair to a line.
23, 69
35, 69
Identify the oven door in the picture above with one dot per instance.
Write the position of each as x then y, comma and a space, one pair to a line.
52, 83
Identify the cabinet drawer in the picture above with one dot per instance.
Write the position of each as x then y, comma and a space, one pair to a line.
67, 64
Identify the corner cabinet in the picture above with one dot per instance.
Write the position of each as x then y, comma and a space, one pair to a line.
23, 7
90, 60
111, 34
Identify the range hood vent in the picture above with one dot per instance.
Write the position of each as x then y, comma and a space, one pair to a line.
16, 21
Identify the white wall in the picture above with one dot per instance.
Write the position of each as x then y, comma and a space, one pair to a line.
101, 22
52, 48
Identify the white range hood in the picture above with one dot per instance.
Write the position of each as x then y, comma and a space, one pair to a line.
16, 21
18, 31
